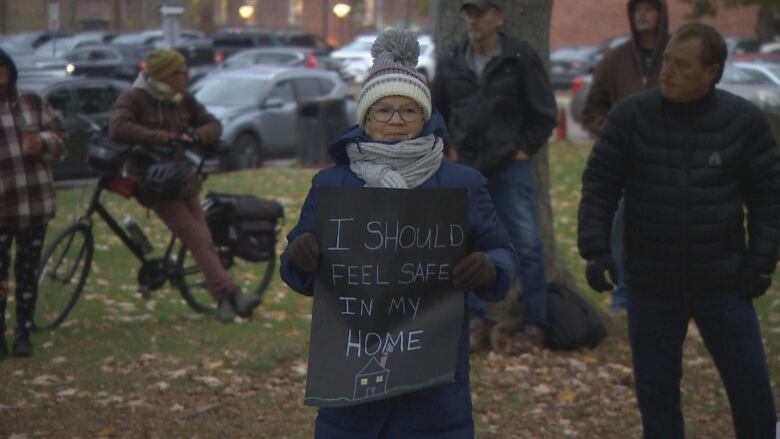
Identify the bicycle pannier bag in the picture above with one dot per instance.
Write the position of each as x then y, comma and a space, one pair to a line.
246, 224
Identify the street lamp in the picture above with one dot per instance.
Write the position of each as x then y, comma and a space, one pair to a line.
246, 11
341, 10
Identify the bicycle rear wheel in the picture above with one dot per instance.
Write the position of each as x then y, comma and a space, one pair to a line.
252, 277
62, 273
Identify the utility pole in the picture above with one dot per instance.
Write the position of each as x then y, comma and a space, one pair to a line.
325, 17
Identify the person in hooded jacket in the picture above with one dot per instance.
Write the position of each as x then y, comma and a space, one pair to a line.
31, 137
158, 111
631, 67
398, 143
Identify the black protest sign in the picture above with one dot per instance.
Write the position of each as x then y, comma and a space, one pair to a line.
386, 318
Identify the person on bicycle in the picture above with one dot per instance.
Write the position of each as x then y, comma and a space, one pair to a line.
31, 136
399, 144
159, 112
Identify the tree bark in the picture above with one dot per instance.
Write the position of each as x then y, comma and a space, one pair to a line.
527, 20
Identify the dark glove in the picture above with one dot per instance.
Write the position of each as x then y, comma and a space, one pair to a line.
304, 253
596, 270
474, 272
752, 283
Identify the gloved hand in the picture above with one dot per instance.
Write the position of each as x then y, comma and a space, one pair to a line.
752, 283
304, 253
474, 272
595, 273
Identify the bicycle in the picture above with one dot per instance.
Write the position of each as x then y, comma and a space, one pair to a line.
67, 260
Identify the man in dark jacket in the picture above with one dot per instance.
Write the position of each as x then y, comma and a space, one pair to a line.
496, 98
631, 67
692, 160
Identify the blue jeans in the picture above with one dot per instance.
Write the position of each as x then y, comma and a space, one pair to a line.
729, 327
620, 292
512, 191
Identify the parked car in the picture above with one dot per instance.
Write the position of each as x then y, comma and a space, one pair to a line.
151, 37
742, 82
356, 57
741, 45
29, 41
764, 73
231, 40
296, 38
282, 56
107, 60
84, 105
566, 63
60, 46
753, 87
260, 108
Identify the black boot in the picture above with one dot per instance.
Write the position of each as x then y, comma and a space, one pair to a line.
22, 345
244, 304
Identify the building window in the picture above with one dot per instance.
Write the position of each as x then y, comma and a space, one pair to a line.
364, 381
295, 17
380, 378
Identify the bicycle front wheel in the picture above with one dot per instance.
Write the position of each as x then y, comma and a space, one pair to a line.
252, 277
62, 273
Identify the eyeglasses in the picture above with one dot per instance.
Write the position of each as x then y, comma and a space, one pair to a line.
409, 114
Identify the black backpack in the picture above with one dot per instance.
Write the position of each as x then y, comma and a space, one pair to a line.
574, 321
246, 224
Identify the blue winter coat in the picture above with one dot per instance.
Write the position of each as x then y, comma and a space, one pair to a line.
442, 411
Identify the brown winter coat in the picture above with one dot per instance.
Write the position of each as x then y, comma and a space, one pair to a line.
621, 71
140, 118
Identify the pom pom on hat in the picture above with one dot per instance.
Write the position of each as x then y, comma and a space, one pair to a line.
394, 73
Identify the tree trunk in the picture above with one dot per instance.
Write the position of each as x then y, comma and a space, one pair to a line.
528, 20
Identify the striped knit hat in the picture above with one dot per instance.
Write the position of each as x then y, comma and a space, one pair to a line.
394, 73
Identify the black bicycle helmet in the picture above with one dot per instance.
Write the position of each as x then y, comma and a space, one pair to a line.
166, 180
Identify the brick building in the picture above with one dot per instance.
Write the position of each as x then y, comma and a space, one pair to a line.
577, 22
574, 22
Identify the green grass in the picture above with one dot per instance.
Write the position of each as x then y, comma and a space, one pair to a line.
123, 367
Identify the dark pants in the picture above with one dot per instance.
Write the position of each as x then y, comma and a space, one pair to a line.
729, 327
29, 243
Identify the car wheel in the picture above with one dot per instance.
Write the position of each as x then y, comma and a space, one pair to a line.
245, 152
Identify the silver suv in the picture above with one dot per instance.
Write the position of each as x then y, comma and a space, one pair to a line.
266, 111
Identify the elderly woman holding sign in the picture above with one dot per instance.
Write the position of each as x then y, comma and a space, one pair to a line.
398, 145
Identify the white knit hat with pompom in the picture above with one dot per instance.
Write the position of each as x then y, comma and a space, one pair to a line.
394, 73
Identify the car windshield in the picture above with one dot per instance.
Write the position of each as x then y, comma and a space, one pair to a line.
21, 40
231, 91
56, 47
133, 39
10, 48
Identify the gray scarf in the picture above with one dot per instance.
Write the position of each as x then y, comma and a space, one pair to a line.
403, 165
159, 90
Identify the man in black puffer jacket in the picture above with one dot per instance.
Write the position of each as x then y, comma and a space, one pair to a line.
692, 161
